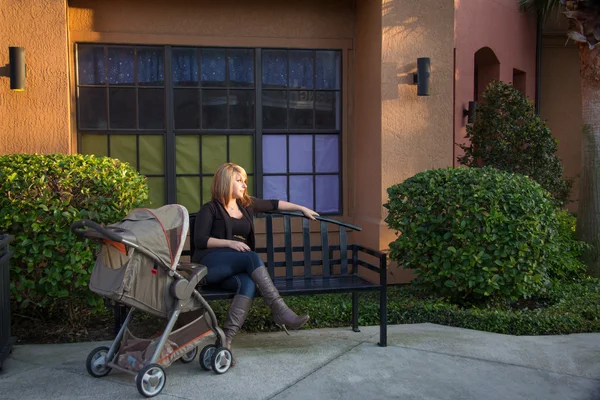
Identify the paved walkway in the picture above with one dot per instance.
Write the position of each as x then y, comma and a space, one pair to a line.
422, 361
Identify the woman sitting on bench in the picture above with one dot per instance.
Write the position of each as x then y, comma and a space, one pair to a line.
224, 242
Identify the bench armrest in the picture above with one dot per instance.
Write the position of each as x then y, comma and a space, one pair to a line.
381, 268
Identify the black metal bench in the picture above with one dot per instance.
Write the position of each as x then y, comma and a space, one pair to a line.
339, 274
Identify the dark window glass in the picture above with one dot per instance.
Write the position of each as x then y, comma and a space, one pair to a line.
150, 67
214, 109
152, 108
301, 109
241, 109
185, 67
92, 108
328, 70
326, 110
241, 68
212, 67
122, 108
187, 109
274, 104
90, 61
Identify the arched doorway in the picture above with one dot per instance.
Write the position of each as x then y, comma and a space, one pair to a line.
487, 69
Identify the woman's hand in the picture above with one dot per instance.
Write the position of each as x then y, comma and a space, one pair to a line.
308, 213
238, 246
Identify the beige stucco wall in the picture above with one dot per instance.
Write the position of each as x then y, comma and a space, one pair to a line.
500, 26
36, 120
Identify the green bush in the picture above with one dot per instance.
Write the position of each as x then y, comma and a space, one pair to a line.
509, 135
42, 196
476, 233
567, 266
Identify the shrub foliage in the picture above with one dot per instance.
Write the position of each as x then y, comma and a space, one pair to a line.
509, 135
41, 196
474, 233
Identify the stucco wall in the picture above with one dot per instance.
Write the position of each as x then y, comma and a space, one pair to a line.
500, 26
37, 120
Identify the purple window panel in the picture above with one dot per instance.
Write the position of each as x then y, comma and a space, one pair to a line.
327, 157
275, 187
301, 153
274, 154
301, 190
328, 193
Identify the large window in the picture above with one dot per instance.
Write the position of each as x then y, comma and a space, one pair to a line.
177, 113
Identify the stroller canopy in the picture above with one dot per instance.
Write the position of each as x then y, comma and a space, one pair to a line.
162, 231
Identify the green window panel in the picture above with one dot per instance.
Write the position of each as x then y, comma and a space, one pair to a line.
152, 159
250, 184
241, 152
124, 148
214, 153
188, 192
94, 144
206, 181
156, 189
187, 154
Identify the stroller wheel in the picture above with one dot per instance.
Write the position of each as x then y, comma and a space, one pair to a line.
221, 360
189, 356
151, 380
96, 362
206, 356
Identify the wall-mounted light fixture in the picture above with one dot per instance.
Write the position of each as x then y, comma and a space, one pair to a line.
16, 60
470, 112
422, 76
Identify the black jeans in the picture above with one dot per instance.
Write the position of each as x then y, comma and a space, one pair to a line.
231, 270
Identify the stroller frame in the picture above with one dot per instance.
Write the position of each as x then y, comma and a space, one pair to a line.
151, 378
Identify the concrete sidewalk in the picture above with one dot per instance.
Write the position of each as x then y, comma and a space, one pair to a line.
422, 361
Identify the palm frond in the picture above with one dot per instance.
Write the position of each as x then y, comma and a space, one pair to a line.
543, 8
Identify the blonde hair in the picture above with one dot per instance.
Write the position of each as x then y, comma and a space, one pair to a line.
221, 188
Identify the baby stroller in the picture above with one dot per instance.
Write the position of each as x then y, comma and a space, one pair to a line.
138, 266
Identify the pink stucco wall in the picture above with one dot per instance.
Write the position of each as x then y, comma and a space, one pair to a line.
499, 25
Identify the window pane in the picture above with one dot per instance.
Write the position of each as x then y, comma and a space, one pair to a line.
212, 66
152, 154
301, 69
150, 67
152, 108
274, 154
187, 109
241, 68
156, 189
327, 157
274, 109
123, 147
326, 110
328, 70
274, 69
188, 192
92, 108
187, 154
241, 109
122, 108
206, 181
301, 109
120, 66
94, 144
241, 152
328, 193
214, 153
301, 153
90, 65
275, 187
184, 63
301, 190
214, 109
250, 185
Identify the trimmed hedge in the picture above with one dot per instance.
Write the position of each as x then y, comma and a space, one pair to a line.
41, 196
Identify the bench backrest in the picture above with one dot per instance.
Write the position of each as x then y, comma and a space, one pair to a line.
325, 248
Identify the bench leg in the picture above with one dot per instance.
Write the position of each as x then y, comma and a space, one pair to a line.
383, 317
355, 312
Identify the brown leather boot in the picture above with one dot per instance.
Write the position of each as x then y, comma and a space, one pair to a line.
282, 315
236, 316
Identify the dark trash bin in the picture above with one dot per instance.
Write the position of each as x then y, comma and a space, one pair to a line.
6, 340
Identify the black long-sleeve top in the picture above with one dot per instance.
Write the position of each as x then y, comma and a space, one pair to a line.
213, 221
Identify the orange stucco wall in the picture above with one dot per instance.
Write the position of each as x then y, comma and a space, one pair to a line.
500, 26
36, 120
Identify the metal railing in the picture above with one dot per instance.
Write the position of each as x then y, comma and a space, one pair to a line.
6, 340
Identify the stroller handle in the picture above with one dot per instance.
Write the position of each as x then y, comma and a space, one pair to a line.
80, 227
